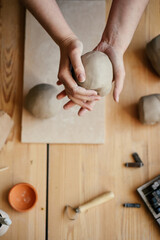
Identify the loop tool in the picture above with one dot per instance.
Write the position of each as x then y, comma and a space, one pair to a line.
72, 213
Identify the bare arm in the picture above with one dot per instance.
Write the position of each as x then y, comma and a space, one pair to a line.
49, 15
122, 22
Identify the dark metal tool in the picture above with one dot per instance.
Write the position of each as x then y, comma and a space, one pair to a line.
134, 164
137, 158
132, 205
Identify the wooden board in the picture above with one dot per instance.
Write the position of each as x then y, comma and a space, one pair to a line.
79, 173
41, 66
26, 162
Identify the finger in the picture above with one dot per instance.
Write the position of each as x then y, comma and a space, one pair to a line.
119, 81
82, 111
61, 95
69, 105
81, 103
66, 79
82, 93
88, 98
59, 82
75, 58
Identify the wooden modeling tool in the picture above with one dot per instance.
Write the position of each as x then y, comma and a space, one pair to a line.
72, 213
3, 169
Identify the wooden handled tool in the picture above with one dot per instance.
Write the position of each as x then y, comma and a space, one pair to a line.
5, 221
72, 212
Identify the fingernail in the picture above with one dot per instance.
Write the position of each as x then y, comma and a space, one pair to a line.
81, 77
98, 98
117, 99
83, 112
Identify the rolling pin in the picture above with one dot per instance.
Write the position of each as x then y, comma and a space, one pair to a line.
105, 197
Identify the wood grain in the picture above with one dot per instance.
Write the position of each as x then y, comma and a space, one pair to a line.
26, 162
79, 173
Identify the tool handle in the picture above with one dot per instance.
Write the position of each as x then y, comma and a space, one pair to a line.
3, 169
96, 201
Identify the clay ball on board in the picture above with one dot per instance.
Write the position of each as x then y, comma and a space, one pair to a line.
153, 53
149, 109
41, 101
99, 72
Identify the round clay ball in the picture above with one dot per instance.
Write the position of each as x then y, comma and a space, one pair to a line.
99, 72
41, 101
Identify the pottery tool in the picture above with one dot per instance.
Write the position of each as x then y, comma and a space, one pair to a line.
5, 221
132, 205
3, 169
72, 213
150, 193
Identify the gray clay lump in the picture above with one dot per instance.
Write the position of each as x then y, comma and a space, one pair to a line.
153, 53
149, 109
41, 101
99, 72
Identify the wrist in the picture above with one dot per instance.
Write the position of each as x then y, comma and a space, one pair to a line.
67, 40
112, 41
110, 48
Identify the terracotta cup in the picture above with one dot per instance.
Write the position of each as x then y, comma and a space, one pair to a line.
22, 197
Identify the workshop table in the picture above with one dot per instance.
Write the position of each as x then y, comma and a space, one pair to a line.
73, 174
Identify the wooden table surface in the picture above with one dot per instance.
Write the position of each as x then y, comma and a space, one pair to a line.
74, 174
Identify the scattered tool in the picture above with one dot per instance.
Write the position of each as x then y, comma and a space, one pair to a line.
3, 169
150, 193
138, 162
72, 213
5, 222
133, 164
137, 158
6, 124
132, 205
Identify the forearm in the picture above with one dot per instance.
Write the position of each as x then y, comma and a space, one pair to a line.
122, 22
50, 17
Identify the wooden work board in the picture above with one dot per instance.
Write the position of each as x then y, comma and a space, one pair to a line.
41, 66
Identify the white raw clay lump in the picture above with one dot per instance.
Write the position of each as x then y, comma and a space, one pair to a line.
99, 72
41, 101
149, 109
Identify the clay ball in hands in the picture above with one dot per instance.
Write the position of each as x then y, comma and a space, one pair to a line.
99, 72
41, 101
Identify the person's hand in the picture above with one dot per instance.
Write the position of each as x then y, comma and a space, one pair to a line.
116, 57
71, 50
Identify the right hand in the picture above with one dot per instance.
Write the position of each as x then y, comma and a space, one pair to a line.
71, 50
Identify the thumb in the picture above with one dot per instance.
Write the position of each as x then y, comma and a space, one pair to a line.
75, 58
119, 81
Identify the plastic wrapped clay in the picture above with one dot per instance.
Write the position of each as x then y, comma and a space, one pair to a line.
153, 53
99, 72
41, 101
149, 109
